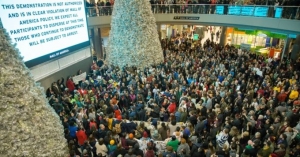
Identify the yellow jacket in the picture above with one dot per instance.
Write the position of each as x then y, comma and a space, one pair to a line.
292, 81
110, 123
294, 94
277, 89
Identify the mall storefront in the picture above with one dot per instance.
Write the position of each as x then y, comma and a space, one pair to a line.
262, 42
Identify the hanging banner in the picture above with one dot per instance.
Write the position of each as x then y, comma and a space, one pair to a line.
78, 78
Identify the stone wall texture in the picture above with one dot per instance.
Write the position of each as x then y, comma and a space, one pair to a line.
133, 38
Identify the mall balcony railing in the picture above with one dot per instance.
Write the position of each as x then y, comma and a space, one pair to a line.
288, 12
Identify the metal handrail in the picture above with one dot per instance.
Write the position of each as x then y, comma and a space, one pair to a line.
289, 12
217, 4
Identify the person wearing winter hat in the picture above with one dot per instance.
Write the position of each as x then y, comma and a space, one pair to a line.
112, 142
131, 136
119, 118
111, 147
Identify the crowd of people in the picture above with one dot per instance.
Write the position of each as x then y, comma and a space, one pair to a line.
203, 100
201, 6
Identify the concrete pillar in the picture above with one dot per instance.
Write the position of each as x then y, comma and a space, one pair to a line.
159, 31
286, 48
170, 31
223, 36
179, 28
97, 41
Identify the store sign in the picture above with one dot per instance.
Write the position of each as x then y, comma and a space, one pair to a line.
278, 12
261, 11
293, 36
234, 10
186, 18
196, 37
219, 9
245, 46
262, 35
247, 11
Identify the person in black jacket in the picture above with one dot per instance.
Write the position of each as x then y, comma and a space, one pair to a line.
193, 148
193, 118
102, 131
137, 151
131, 126
119, 150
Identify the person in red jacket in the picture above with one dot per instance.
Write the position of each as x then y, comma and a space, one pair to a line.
281, 97
81, 136
172, 107
70, 84
93, 123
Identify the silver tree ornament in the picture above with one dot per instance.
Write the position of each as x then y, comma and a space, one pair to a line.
133, 38
29, 127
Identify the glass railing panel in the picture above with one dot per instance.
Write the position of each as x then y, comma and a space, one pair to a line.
287, 12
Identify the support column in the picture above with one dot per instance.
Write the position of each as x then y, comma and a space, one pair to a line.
97, 41
286, 48
223, 36
159, 31
295, 52
92, 41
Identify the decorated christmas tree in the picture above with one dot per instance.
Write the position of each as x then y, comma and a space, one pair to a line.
133, 38
29, 127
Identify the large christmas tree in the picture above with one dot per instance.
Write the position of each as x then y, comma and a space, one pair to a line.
133, 38
28, 124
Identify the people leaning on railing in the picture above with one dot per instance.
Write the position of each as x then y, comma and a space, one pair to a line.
290, 8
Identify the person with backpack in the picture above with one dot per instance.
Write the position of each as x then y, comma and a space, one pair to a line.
118, 125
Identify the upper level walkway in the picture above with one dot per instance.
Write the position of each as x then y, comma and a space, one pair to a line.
282, 19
